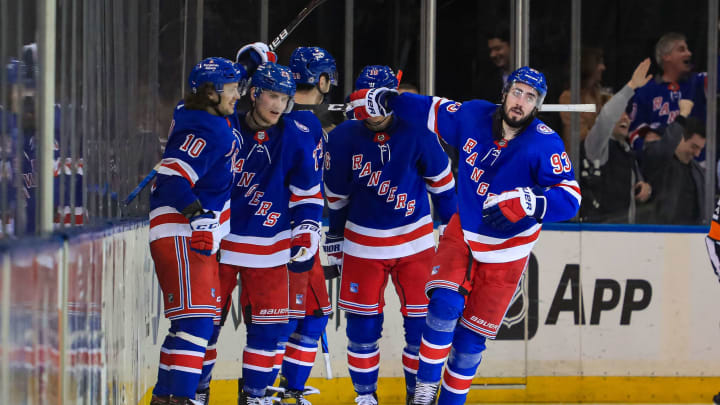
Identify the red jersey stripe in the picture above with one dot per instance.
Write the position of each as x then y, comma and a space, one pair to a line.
390, 240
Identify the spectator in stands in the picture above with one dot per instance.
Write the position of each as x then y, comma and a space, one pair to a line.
677, 180
611, 181
592, 67
490, 87
656, 104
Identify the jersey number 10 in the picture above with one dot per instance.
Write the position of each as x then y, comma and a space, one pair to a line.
193, 146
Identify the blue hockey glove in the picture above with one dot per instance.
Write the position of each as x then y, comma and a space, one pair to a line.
368, 103
503, 210
253, 55
204, 227
303, 246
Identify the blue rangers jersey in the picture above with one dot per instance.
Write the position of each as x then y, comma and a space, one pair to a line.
377, 184
656, 105
277, 184
28, 156
318, 135
197, 165
535, 157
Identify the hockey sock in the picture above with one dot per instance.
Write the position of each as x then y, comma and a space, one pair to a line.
259, 357
162, 387
282, 346
182, 359
301, 349
363, 332
413, 331
464, 359
444, 309
209, 361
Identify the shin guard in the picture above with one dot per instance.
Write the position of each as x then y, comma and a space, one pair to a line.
259, 357
413, 331
363, 353
181, 357
463, 362
444, 309
301, 350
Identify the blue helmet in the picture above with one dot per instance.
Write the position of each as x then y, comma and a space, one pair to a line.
271, 76
532, 78
375, 76
274, 77
217, 71
309, 63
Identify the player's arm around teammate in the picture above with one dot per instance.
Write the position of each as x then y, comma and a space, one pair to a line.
190, 208
377, 175
513, 175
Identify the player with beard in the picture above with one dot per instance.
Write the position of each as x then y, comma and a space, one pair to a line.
514, 174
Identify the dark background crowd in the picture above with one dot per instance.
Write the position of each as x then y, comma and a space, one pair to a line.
137, 85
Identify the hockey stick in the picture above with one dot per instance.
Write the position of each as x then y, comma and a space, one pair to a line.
326, 355
273, 45
294, 23
142, 185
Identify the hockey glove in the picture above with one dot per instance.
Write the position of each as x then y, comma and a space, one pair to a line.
253, 55
713, 248
503, 210
333, 248
368, 103
203, 240
303, 246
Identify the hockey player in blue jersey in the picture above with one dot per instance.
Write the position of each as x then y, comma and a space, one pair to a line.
275, 222
189, 215
378, 173
514, 175
314, 72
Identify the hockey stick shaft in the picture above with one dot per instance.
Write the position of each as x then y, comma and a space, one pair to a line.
294, 23
142, 184
326, 355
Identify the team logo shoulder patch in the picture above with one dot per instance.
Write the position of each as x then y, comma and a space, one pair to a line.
301, 127
453, 107
544, 129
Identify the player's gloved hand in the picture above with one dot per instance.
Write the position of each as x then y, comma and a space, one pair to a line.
503, 210
713, 248
303, 246
368, 103
203, 239
333, 248
253, 55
